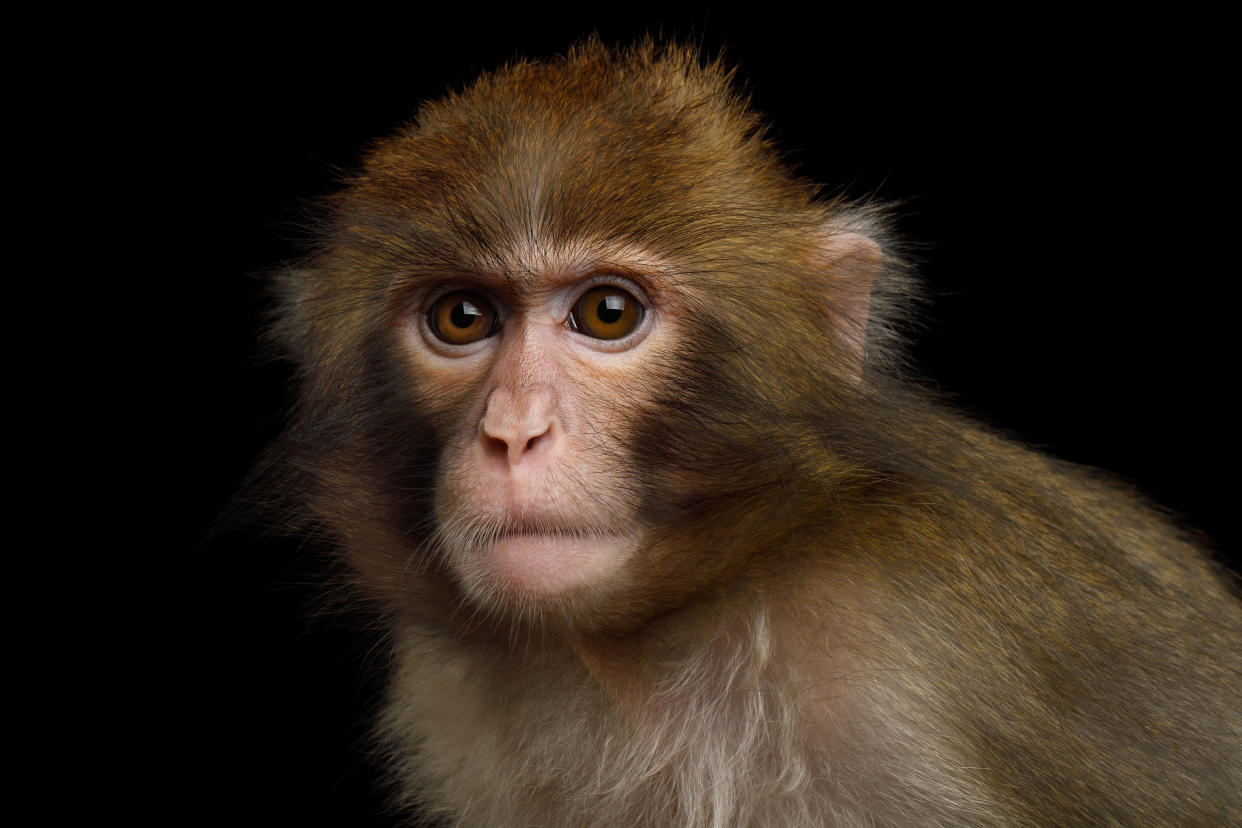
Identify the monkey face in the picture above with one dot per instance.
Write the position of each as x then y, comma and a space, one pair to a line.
537, 380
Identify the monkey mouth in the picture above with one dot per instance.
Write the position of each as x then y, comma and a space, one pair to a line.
540, 561
523, 530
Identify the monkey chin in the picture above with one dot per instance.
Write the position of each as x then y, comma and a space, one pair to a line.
533, 568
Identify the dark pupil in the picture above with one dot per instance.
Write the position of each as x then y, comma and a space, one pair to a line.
609, 315
464, 315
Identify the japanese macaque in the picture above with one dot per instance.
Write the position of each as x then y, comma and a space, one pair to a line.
602, 409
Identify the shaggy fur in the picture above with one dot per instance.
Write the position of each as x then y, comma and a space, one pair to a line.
853, 607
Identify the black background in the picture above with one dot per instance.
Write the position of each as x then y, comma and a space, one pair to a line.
1065, 177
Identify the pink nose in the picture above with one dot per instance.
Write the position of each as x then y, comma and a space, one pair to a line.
519, 424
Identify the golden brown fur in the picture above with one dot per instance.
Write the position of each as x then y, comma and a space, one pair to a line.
850, 606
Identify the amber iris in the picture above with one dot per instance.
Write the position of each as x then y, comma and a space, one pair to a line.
606, 312
462, 317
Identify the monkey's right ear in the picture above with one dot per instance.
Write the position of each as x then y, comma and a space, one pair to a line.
849, 262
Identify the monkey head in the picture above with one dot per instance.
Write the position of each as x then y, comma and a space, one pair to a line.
537, 344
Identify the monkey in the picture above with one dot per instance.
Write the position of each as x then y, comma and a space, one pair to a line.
604, 412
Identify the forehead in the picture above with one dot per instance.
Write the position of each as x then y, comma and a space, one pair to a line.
644, 145
541, 189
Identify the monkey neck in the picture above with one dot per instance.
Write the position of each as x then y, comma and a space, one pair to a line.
710, 650
610, 664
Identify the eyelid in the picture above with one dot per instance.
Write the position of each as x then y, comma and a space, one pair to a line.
630, 284
435, 294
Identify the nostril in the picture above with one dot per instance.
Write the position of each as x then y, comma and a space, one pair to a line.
542, 439
512, 448
496, 445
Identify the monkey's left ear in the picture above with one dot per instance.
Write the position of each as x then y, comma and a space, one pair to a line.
849, 262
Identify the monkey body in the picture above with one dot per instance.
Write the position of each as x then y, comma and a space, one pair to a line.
888, 698
598, 404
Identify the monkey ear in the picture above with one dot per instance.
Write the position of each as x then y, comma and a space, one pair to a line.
850, 263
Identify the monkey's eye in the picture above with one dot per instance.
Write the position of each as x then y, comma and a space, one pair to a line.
462, 317
606, 312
